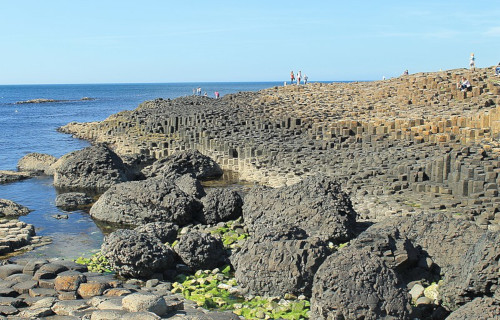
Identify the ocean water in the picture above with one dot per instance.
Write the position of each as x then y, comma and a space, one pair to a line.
26, 128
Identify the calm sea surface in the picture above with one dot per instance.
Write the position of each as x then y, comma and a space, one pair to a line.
26, 128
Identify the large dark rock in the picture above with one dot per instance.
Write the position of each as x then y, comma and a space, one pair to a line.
12, 209
140, 202
444, 238
72, 200
357, 284
37, 163
135, 163
93, 168
477, 274
164, 231
266, 267
201, 251
134, 254
190, 186
185, 162
220, 205
317, 205
479, 308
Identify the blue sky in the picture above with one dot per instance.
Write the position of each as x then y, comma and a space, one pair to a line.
192, 41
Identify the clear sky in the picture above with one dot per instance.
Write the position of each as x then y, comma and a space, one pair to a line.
77, 41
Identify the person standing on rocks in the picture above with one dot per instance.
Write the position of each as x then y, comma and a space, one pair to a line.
292, 77
299, 75
216, 94
472, 62
497, 69
305, 79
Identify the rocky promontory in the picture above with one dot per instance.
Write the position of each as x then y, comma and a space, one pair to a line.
376, 200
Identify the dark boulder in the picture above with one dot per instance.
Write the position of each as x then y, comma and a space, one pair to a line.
37, 163
164, 231
479, 308
265, 267
72, 200
185, 162
357, 284
190, 186
140, 202
317, 205
201, 251
220, 205
133, 254
94, 168
477, 274
135, 163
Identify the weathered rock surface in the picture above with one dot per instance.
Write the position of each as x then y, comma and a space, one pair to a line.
185, 162
479, 308
220, 205
164, 231
358, 285
37, 163
273, 268
72, 200
140, 202
317, 205
13, 176
93, 168
190, 186
477, 274
134, 254
201, 251
11, 209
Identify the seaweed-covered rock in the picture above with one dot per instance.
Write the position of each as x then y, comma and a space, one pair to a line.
220, 205
135, 254
185, 162
317, 205
10, 208
479, 308
93, 168
265, 267
201, 251
72, 200
477, 275
164, 231
357, 284
37, 163
140, 202
190, 186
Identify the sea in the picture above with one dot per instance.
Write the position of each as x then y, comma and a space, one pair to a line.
31, 127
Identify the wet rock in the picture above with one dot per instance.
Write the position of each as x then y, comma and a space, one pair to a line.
479, 308
12, 176
164, 231
317, 205
273, 268
139, 202
184, 162
72, 200
357, 284
220, 205
37, 163
94, 168
133, 254
11, 209
201, 251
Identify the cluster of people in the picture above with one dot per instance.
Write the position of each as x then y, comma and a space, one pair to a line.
298, 78
197, 92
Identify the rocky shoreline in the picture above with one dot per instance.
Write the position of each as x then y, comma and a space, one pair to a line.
376, 200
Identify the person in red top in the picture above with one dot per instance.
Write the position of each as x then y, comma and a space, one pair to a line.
292, 77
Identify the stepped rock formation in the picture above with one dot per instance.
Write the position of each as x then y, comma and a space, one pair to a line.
409, 144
